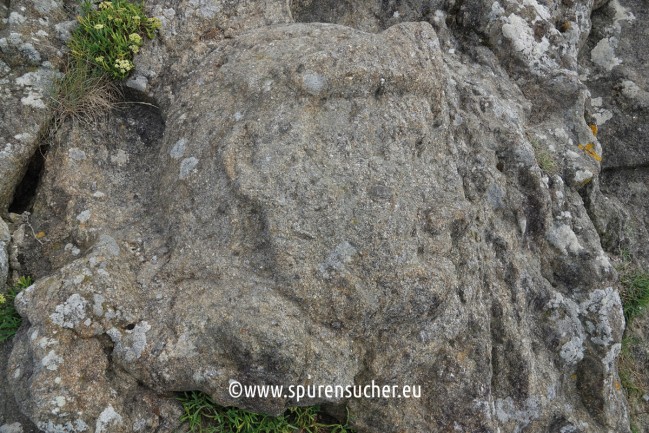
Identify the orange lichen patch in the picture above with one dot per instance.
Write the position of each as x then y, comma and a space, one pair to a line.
618, 385
593, 128
588, 148
40, 235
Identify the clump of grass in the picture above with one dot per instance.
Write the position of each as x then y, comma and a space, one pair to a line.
110, 34
204, 416
546, 161
10, 320
544, 158
82, 94
635, 294
629, 376
634, 377
101, 51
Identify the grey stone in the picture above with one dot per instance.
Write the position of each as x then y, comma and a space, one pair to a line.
618, 103
139, 83
64, 30
11, 428
4, 264
30, 63
365, 199
5, 236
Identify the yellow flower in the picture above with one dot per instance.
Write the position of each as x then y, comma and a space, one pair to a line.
134, 37
2, 299
105, 5
99, 26
134, 48
123, 66
99, 59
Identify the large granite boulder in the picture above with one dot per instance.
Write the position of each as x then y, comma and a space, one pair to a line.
403, 202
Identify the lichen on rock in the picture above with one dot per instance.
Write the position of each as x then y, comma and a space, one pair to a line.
333, 193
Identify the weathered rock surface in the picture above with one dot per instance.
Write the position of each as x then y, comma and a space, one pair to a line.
11, 419
5, 237
30, 47
614, 65
396, 195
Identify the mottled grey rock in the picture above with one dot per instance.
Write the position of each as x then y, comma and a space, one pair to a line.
190, 30
617, 81
5, 237
64, 30
31, 57
618, 87
371, 15
138, 83
4, 264
11, 428
11, 419
400, 202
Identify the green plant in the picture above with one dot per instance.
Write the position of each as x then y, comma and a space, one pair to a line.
634, 377
204, 416
546, 162
10, 320
544, 158
635, 294
110, 34
627, 371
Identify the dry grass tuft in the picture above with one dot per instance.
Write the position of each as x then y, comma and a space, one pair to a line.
83, 95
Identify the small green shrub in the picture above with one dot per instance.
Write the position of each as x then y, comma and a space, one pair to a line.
110, 34
204, 416
10, 320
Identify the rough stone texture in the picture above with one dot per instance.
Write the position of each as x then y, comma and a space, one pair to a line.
191, 29
620, 104
30, 58
5, 237
11, 419
64, 381
396, 195
638, 355
614, 64
370, 16
12, 428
